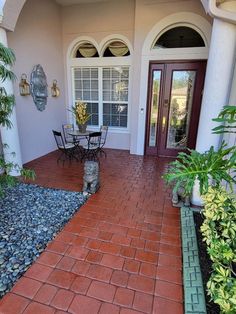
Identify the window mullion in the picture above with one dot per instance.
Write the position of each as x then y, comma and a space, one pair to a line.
71, 116
100, 95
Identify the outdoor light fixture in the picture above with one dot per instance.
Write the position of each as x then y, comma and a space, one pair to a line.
24, 85
55, 91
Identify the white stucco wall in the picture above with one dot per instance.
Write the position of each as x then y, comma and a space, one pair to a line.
98, 21
37, 39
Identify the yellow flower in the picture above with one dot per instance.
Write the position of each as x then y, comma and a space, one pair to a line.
80, 112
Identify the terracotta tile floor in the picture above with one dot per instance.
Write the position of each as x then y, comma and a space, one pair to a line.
121, 253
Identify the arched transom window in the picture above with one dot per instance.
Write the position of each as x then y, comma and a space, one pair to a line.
179, 37
116, 49
86, 50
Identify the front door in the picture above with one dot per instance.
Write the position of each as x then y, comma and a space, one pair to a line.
174, 100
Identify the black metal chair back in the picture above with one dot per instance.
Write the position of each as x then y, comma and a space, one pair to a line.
66, 128
94, 139
67, 149
59, 139
93, 146
104, 131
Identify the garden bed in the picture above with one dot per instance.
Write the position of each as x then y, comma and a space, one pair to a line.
205, 264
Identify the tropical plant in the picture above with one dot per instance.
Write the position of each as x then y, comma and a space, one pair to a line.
219, 232
228, 119
210, 167
7, 59
80, 113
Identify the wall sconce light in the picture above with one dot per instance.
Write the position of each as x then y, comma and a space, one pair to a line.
24, 85
54, 89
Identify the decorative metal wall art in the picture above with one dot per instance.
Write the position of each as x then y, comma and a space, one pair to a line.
38, 87
24, 86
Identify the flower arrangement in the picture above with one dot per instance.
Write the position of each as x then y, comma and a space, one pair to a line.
80, 113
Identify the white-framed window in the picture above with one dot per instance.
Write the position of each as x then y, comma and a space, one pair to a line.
105, 89
86, 89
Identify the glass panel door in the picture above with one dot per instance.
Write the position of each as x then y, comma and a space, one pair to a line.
154, 107
174, 102
181, 100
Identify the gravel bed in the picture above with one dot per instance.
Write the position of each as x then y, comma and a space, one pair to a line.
30, 216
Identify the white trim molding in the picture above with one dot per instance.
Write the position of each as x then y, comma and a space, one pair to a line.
78, 41
225, 11
192, 20
108, 39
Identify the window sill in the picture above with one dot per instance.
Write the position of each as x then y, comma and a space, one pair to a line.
110, 129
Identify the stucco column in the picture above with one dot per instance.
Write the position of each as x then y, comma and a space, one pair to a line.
230, 138
217, 87
10, 136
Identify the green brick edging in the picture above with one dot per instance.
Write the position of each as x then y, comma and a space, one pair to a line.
194, 297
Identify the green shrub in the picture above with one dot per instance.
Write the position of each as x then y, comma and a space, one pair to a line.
219, 232
213, 168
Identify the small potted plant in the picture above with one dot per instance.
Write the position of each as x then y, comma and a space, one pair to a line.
81, 115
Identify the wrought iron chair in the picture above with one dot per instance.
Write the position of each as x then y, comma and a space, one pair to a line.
66, 128
103, 130
67, 149
92, 148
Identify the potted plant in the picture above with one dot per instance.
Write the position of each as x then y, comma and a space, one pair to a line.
213, 169
7, 59
81, 115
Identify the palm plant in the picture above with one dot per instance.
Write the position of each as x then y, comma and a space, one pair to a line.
210, 167
7, 59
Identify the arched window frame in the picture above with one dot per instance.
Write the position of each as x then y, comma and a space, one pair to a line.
98, 62
148, 54
193, 27
107, 45
78, 46
77, 43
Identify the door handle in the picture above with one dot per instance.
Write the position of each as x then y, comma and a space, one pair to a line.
163, 124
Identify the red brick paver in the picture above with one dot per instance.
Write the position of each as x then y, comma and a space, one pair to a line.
119, 254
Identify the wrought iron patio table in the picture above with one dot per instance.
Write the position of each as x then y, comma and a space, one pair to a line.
76, 134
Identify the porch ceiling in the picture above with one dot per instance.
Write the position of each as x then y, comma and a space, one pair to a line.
71, 2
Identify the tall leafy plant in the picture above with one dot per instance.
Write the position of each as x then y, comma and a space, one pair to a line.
211, 169
219, 233
227, 118
7, 59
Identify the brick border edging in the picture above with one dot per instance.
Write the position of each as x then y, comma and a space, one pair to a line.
194, 297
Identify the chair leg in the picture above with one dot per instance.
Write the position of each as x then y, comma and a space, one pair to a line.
60, 157
101, 151
67, 154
